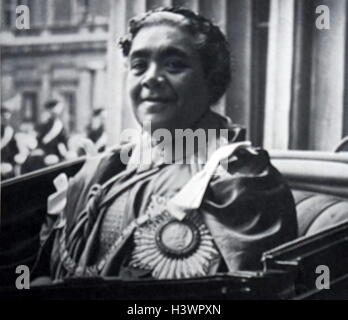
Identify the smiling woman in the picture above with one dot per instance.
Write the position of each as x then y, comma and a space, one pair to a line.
166, 79
187, 70
162, 219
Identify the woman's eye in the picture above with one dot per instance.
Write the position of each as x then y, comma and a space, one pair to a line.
175, 65
138, 67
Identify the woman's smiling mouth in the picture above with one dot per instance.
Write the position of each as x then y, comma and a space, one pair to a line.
156, 104
157, 100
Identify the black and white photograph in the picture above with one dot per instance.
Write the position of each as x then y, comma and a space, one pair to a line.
174, 150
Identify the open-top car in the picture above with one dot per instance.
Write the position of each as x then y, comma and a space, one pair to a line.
314, 266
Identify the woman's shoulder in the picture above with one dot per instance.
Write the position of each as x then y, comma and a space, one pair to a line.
102, 166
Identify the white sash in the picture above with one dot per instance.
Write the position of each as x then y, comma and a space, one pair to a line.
8, 134
54, 132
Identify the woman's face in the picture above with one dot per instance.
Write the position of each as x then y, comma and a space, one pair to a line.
166, 81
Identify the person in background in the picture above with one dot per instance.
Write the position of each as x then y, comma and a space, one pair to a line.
27, 143
52, 139
96, 129
9, 147
93, 141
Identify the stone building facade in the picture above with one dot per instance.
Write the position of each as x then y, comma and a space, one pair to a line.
290, 78
62, 55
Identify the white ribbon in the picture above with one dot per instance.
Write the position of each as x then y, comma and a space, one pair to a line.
56, 202
54, 132
191, 195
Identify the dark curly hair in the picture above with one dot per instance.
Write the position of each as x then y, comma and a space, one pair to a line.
211, 44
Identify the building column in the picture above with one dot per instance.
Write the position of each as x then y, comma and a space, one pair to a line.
279, 75
239, 34
301, 83
8, 89
216, 11
2, 23
328, 67
84, 99
50, 12
119, 114
115, 92
151, 4
345, 103
46, 89
99, 85
190, 4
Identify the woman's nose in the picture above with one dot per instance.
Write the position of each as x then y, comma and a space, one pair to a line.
153, 77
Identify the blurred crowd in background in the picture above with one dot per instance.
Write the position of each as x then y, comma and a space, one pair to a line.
289, 88
35, 146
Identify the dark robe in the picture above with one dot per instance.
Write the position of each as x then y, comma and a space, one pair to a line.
98, 137
247, 208
9, 149
50, 146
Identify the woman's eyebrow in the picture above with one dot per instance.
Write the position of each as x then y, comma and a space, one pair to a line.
165, 51
174, 51
143, 53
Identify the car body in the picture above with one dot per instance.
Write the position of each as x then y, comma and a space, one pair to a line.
294, 270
